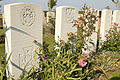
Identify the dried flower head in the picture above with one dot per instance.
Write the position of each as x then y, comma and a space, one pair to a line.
62, 41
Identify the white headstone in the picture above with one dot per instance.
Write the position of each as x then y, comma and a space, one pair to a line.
116, 16
50, 15
64, 17
106, 22
24, 25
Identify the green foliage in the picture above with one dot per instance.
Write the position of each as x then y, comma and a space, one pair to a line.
49, 29
49, 42
64, 65
2, 36
116, 74
51, 23
103, 63
112, 42
53, 3
61, 65
116, 2
4, 67
2, 50
85, 27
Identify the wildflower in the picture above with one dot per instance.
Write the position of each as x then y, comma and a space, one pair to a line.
83, 62
106, 35
2, 62
45, 58
86, 55
3, 56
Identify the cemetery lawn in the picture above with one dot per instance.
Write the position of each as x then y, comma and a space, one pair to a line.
49, 39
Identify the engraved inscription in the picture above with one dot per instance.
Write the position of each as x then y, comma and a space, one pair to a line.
26, 57
27, 16
70, 14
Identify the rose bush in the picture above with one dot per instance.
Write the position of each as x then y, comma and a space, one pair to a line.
112, 42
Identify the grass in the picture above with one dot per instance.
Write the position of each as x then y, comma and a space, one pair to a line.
2, 50
49, 39
2, 32
116, 75
2, 46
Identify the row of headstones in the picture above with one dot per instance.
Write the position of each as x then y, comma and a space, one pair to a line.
24, 24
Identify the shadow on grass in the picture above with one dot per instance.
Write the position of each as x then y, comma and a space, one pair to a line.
115, 78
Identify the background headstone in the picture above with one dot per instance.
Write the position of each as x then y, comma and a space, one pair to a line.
116, 17
64, 17
50, 15
24, 24
106, 22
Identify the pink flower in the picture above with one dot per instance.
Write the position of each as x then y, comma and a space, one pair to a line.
106, 35
86, 55
114, 27
83, 62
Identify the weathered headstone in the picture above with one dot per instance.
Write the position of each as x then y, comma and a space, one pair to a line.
64, 17
50, 15
116, 16
106, 21
24, 24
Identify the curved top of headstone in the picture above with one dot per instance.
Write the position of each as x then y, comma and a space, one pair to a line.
13, 4
116, 10
66, 7
106, 10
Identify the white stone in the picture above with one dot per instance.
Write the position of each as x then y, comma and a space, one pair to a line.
64, 17
106, 22
50, 15
24, 25
116, 17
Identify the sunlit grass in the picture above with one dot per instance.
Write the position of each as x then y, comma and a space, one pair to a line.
116, 75
49, 39
2, 50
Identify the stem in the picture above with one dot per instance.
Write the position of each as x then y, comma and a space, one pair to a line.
104, 73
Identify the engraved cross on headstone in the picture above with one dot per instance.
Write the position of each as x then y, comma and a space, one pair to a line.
26, 58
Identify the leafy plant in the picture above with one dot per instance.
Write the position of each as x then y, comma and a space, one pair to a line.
86, 27
53, 3
112, 42
116, 2
4, 67
51, 23
2, 36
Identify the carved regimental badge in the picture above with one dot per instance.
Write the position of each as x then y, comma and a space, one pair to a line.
27, 16
70, 14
